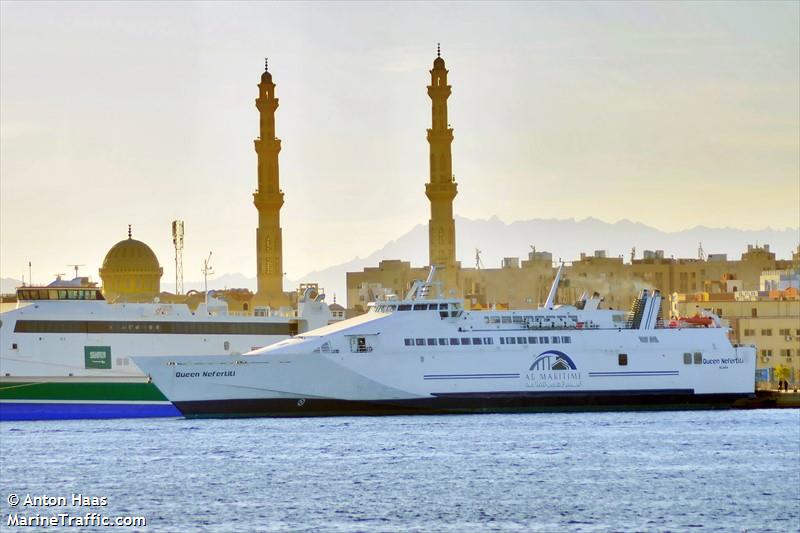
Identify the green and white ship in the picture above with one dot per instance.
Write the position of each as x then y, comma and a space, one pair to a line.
65, 352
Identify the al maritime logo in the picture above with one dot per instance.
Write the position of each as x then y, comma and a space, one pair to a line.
553, 360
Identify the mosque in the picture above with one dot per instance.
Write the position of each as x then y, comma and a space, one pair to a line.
131, 271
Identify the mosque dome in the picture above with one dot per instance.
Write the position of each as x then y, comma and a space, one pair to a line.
266, 77
438, 63
131, 271
130, 255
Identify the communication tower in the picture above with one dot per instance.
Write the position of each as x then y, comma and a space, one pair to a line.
207, 271
177, 240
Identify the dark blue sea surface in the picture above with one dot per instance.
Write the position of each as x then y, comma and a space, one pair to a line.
635, 471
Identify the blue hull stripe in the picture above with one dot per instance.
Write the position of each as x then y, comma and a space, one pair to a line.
470, 376
636, 373
73, 411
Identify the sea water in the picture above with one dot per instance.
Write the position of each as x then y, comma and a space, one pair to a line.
632, 471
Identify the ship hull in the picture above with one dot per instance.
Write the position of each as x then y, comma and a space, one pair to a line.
79, 399
502, 402
373, 366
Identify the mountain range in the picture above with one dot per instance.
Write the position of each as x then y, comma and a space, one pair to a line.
564, 238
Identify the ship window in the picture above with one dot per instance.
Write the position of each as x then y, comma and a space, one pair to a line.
505, 319
687, 358
431, 342
522, 340
556, 340
404, 307
420, 307
566, 340
623, 359
653, 339
14, 346
477, 340
642, 339
511, 340
433, 307
454, 341
226, 345
533, 340
359, 345
409, 342
517, 320
420, 342
542, 340
465, 340
443, 306
502, 340
442, 342
494, 319
488, 340
698, 358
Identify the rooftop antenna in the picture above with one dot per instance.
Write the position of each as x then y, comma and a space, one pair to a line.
478, 261
58, 275
207, 270
701, 254
76, 268
177, 240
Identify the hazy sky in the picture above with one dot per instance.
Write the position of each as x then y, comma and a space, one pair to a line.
672, 114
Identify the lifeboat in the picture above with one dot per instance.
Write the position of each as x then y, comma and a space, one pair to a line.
698, 320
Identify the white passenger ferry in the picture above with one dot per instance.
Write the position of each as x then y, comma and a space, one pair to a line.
429, 355
66, 353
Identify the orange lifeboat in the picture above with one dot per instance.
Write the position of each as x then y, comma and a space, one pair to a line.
698, 320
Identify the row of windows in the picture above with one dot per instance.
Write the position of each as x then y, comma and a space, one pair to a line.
506, 319
177, 328
784, 332
59, 294
452, 341
466, 341
784, 353
388, 308
697, 358
536, 340
648, 339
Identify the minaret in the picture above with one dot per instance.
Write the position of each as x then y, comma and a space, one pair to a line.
268, 200
442, 187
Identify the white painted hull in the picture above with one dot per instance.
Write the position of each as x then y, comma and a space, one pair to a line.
392, 377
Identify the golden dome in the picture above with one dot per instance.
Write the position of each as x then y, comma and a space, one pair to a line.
130, 255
